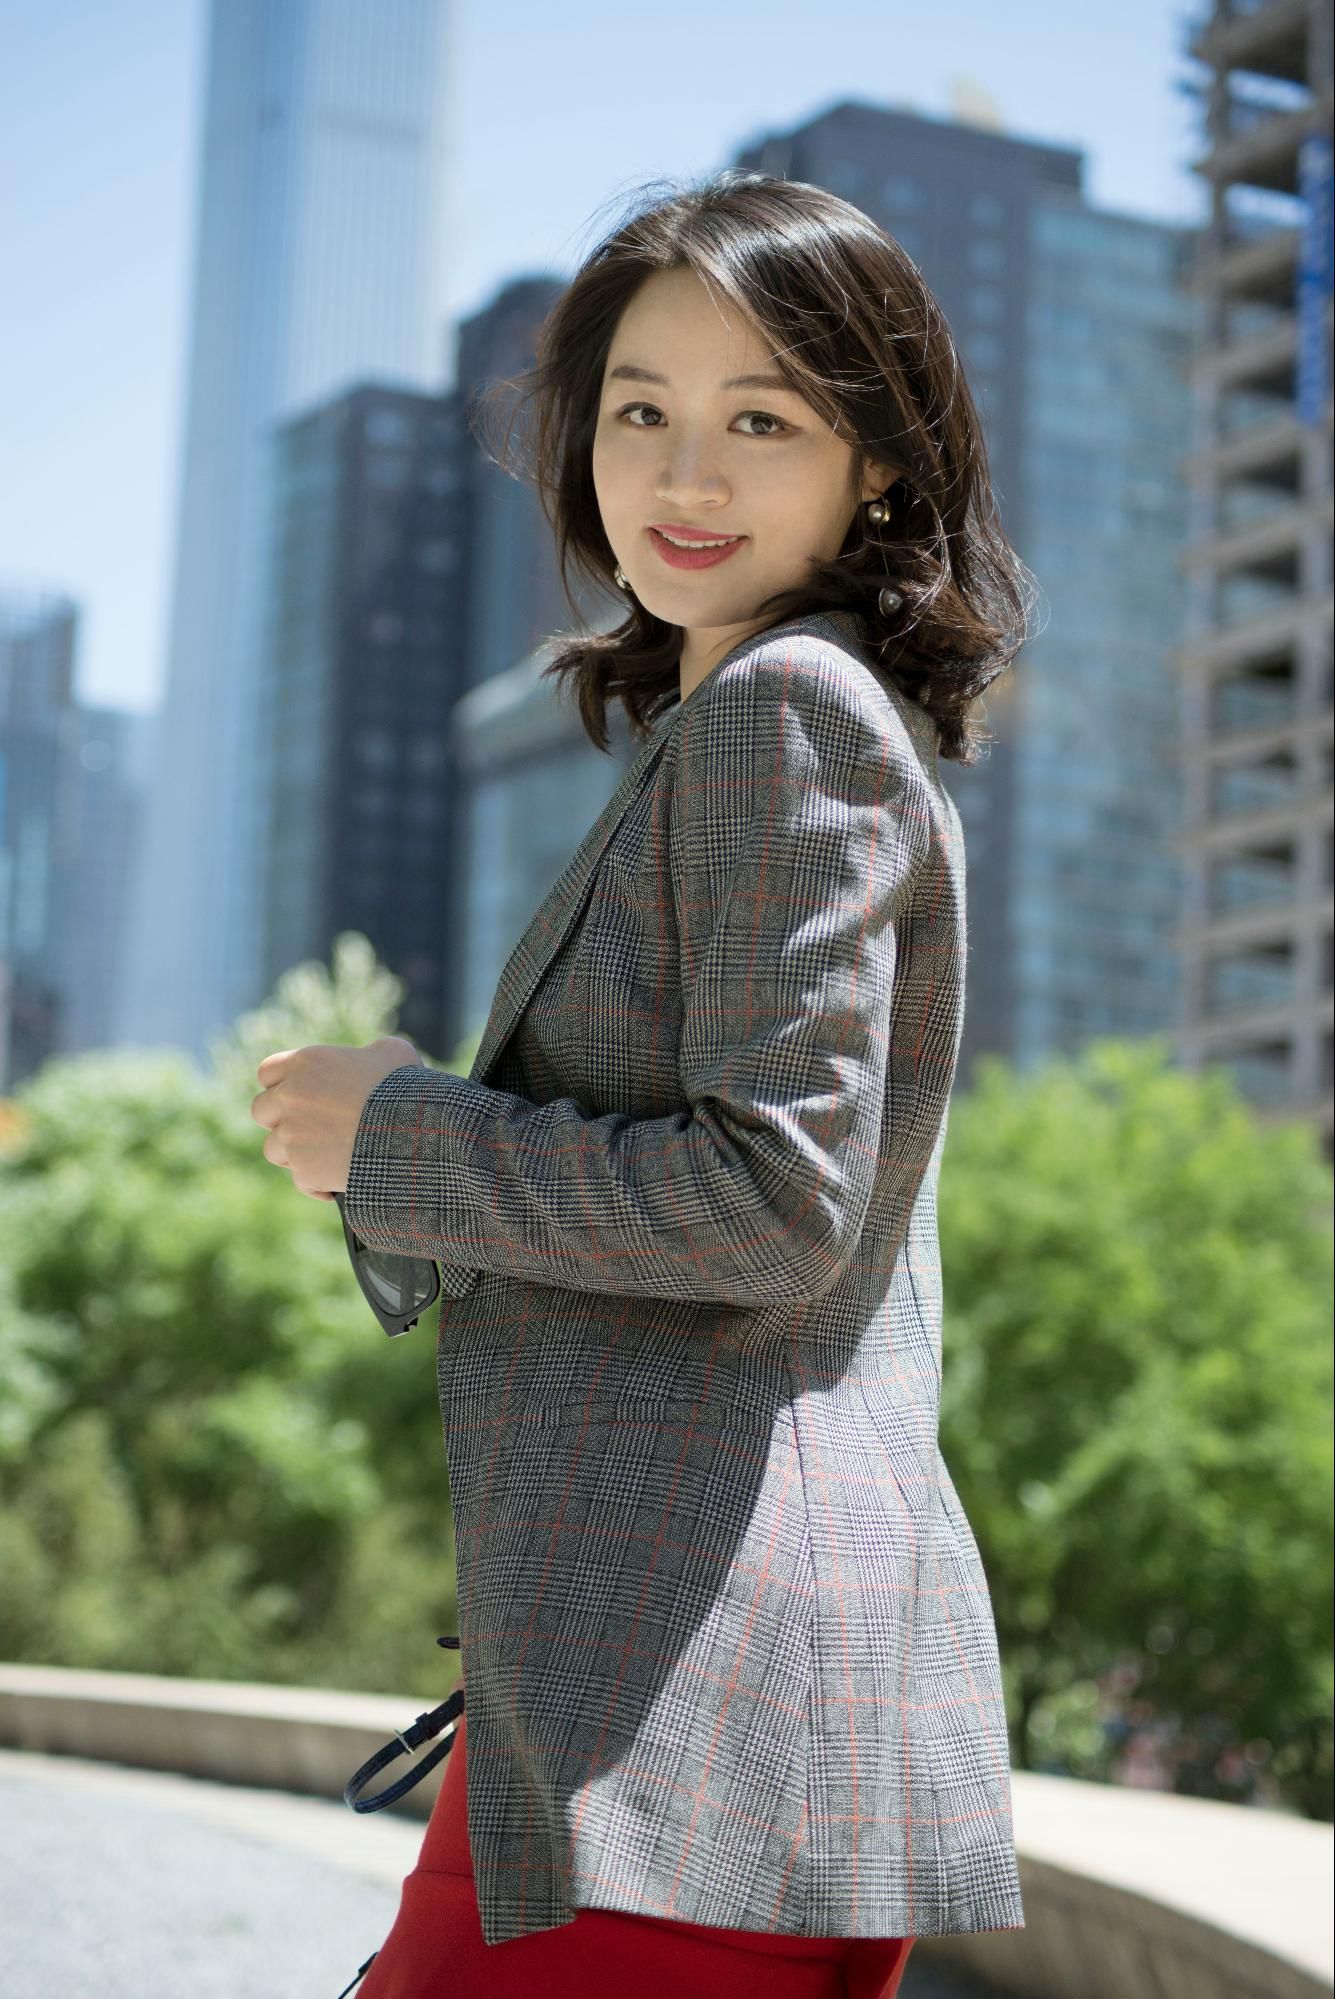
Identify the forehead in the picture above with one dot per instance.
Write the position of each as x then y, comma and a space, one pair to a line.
675, 316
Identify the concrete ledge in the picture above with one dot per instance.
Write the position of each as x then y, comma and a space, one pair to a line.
1137, 1892
1127, 1892
303, 1739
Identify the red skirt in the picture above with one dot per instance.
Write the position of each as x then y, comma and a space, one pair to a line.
435, 1949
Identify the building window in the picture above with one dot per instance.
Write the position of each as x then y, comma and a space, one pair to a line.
843, 177
435, 557
987, 256
901, 191
388, 426
986, 208
983, 350
388, 472
375, 749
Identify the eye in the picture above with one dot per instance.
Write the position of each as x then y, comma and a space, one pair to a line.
764, 415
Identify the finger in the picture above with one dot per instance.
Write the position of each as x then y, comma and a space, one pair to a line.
272, 1067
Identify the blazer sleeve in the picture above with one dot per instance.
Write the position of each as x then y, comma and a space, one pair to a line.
799, 820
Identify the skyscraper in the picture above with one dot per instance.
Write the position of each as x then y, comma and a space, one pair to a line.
317, 263
1256, 665
361, 667
1075, 330
38, 724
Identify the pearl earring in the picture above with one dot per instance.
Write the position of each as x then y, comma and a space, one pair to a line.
622, 580
888, 600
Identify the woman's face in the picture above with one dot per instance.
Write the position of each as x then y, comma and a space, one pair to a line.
686, 450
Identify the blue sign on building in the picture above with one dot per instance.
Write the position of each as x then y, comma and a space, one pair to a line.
1314, 277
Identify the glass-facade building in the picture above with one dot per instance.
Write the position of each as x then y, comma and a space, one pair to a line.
351, 793
109, 752
38, 823
71, 803
514, 598
1074, 333
1096, 813
317, 265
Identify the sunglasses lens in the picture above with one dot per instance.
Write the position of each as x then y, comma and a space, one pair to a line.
399, 1284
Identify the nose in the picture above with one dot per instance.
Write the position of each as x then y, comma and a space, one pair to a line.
689, 477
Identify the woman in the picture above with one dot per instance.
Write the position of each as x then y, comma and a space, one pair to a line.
734, 1711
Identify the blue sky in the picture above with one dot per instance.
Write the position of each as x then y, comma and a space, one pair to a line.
558, 109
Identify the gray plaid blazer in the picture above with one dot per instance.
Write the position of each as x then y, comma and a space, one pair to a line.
726, 1639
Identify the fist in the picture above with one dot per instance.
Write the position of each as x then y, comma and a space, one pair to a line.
311, 1104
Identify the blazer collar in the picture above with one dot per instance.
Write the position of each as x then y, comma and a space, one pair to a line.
551, 921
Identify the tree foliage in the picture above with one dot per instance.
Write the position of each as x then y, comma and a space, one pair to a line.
1136, 1409
213, 1463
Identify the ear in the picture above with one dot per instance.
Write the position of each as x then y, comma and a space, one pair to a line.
877, 479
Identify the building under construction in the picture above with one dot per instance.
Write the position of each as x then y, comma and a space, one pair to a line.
1257, 854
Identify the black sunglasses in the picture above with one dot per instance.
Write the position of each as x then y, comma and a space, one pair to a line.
398, 1288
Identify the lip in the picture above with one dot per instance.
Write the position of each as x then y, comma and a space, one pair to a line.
692, 558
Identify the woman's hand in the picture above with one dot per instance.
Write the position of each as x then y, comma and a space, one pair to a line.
312, 1103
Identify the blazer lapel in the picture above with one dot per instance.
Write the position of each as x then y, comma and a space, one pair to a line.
551, 921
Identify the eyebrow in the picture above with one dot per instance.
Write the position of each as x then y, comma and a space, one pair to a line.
628, 373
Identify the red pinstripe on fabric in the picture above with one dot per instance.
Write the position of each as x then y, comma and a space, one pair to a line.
695, 1164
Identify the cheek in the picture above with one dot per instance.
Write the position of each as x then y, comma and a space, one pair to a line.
828, 520
814, 503
611, 474
799, 523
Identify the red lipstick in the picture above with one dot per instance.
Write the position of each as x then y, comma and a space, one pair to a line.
693, 558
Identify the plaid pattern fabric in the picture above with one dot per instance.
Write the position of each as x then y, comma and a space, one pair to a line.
726, 1637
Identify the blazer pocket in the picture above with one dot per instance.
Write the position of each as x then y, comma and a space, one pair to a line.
744, 1429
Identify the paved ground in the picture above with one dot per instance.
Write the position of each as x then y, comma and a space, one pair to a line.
124, 1884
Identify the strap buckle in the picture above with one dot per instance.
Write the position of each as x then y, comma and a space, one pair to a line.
420, 1731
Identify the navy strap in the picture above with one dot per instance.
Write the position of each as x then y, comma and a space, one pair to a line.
405, 1741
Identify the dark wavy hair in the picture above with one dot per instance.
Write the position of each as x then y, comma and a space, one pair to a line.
858, 334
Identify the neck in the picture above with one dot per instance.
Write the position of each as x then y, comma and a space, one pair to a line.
702, 650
